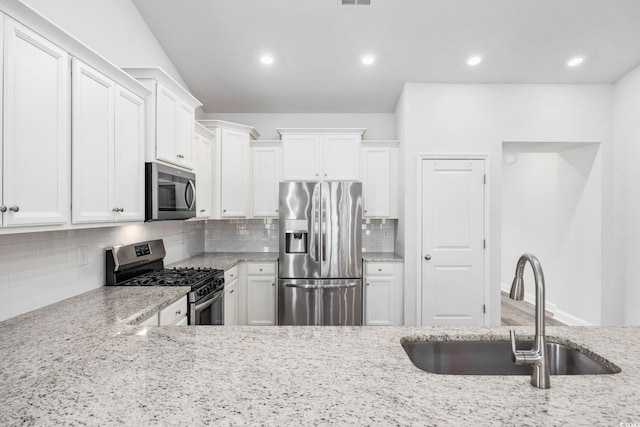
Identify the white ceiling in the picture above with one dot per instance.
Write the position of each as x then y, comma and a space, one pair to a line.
215, 44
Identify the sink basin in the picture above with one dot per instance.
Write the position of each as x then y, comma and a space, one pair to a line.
494, 358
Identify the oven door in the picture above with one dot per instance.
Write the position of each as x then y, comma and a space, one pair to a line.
209, 310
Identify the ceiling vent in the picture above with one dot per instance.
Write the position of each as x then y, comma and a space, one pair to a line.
356, 2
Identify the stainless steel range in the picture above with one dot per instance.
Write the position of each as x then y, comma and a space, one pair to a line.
142, 264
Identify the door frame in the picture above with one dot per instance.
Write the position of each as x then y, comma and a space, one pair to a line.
486, 322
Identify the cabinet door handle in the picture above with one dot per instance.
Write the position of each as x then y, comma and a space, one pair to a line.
14, 208
3, 208
427, 257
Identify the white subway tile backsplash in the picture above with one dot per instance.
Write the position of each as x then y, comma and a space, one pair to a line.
37, 269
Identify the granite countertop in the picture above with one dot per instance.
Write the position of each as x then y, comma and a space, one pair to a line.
381, 257
226, 260
80, 362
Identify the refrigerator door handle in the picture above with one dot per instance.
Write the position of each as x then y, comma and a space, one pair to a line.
321, 286
324, 227
315, 223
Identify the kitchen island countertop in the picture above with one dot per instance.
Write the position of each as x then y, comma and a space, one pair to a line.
80, 362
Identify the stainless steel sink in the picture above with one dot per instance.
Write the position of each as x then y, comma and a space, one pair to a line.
494, 358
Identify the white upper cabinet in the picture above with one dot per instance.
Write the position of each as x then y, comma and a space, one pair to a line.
266, 178
203, 142
231, 168
379, 174
93, 145
341, 157
108, 149
72, 147
321, 154
301, 157
170, 118
36, 129
129, 155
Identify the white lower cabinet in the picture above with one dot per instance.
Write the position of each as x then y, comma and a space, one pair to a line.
174, 314
231, 290
261, 294
383, 293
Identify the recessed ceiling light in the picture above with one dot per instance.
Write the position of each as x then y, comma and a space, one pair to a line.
575, 61
368, 59
474, 60
267, 59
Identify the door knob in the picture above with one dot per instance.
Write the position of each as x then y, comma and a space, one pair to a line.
427, 257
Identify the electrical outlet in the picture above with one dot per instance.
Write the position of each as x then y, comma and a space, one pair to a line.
83, 256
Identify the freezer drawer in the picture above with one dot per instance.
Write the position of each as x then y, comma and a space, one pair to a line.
320, 302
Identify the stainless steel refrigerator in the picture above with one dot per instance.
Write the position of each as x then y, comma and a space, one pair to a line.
320, 263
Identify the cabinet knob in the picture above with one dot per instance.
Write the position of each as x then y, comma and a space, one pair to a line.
14, 208
180, 156
368, 284
201, 210
273, 284
3, 208
427, 257
121, 209
379, 269
232, 291
325, 174
224, 210
260, 269
178, 313
316, 174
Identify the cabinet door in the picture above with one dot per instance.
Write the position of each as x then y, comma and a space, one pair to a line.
266, 178
376, 181
92, 145
234, 185
184, 136
379, 300
129, 155
203, 176
231, 303
301, 157
341, 157
261, 300
165, 124
36, 131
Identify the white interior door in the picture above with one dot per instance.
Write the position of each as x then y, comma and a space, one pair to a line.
453, 242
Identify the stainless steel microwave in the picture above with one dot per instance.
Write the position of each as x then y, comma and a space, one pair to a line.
170, 193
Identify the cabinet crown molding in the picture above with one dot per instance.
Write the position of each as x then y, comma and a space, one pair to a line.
200, 129
322, 131
32, 19
380, 143
159, 75
209, 124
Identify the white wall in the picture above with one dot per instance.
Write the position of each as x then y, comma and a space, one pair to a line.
460, 118
551, 207
113, 28
379, 126
624, 289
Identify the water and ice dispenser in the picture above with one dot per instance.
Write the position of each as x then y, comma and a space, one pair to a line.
296, 236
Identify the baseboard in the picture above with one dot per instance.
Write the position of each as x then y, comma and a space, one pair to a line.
559, 315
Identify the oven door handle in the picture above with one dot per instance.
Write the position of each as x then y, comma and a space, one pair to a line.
209, 300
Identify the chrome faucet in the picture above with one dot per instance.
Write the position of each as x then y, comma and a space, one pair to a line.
537, 357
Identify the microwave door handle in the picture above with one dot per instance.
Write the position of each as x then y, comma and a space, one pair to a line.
190, 200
